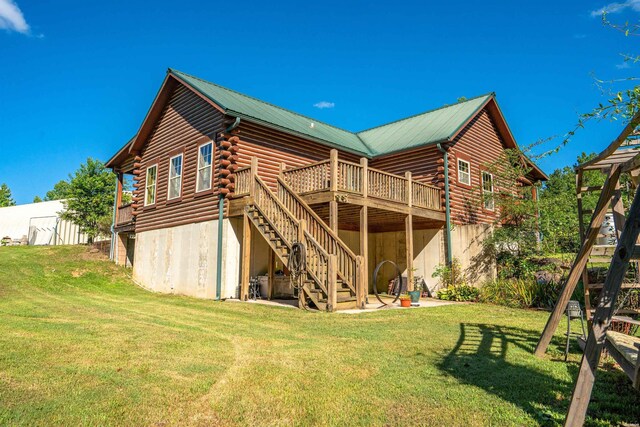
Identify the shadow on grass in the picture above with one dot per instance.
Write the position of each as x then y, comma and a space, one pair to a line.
500, 360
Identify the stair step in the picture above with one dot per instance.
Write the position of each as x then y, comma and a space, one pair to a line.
339, 299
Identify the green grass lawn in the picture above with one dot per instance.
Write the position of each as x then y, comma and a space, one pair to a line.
81, 344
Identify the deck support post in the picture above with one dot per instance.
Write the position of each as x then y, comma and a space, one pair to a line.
333, 186
246, 258
364, 253
254, 174
332, 290
581, 259
333, 216
333, 170
409, 250
409, 196
364, 163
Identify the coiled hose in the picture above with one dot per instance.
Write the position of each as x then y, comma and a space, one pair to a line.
297, 264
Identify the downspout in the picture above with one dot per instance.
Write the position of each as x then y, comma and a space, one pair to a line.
220, 224
447, 206
113, 219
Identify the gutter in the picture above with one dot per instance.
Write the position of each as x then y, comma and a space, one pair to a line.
220, 225
447, 205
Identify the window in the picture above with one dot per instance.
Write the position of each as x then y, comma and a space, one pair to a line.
204, 167
464, 172
175, 177
487, 190
150, 185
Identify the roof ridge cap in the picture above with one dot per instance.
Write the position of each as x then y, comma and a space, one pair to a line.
426, 112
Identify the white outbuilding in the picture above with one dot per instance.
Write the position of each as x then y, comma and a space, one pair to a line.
38, 224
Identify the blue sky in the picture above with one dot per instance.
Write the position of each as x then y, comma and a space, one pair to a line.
77, 77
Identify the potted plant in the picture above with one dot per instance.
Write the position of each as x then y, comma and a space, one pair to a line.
405, 300
417, 290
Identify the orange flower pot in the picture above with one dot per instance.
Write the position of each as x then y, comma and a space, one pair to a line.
405, 303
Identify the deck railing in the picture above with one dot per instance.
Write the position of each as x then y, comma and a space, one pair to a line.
384, 185
349, 177
125, 214
242, 181
309, 178
425, 196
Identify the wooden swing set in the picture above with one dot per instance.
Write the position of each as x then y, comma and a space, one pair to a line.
615, 160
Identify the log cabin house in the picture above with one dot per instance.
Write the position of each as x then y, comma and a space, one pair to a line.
224, 185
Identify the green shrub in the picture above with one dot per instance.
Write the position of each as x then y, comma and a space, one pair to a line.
459, 293
449, 275
522, 293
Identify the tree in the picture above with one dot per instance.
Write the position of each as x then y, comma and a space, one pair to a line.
514, 238
37, 199
60, 191
559, 207
89, 200
5, 196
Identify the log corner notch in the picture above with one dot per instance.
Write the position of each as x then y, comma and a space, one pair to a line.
227, 158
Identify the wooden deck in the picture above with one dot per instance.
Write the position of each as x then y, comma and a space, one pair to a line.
344, 187
320, 199
124, 218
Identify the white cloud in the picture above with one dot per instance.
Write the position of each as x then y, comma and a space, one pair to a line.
617, 7
623, 65
11, 17
324, 104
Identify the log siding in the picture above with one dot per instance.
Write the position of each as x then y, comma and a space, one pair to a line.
273, 148
479, 143
186, 122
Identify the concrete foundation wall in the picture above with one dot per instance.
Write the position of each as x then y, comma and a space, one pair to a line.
429, 251
466, 243
182, 259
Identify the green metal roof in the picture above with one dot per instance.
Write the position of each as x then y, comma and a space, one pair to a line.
235, 103
422, 129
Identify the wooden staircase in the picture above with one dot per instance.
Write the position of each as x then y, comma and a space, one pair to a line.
333, 273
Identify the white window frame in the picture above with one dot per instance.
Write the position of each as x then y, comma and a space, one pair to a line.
198, 168
178, 177
490, 201
154, 185
468, 173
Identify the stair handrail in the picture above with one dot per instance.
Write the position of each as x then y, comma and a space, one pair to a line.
289, 233
320, 272
347, 260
